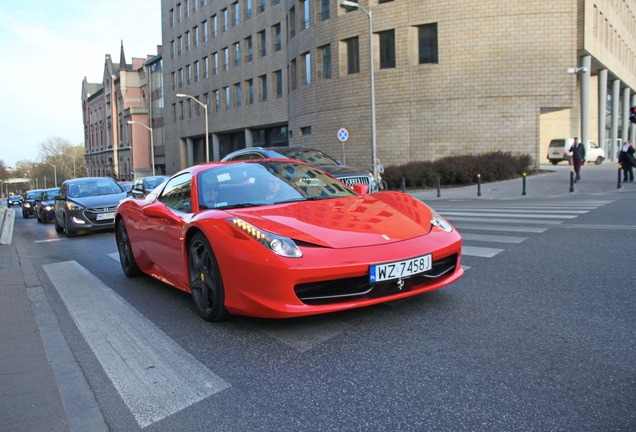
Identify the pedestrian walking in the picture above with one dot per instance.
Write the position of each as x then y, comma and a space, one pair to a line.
578, 158
627, 162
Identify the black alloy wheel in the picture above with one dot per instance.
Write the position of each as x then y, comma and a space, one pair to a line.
126, 257
58, 228
205, 280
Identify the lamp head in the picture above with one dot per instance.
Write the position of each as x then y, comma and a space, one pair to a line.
347, 3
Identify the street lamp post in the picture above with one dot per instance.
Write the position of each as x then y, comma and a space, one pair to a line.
374, 164
54, 172
205, 110
152, 144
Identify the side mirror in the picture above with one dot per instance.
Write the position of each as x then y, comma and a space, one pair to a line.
160, 211
361, 189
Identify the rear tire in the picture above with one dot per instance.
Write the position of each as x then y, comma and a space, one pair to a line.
598, 161
554, 162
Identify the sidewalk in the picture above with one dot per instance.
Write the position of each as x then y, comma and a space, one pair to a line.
42, 388
41, 385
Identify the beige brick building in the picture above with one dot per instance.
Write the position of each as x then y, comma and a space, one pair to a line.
450, 76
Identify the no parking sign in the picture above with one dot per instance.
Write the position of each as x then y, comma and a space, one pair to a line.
343, 135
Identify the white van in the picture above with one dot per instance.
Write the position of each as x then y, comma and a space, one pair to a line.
559, 150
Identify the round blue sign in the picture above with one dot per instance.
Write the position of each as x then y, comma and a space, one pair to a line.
343, 134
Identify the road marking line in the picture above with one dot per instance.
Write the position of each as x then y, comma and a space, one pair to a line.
510, 215
480, 251
490, 220
153, 375
494, 238
114, 256
461, 226
49, 240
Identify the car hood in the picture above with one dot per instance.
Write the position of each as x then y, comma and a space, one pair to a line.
343, 170
367, 220
99, 201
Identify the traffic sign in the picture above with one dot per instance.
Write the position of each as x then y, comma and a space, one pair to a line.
343, 134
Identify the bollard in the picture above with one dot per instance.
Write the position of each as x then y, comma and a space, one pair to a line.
478, 184
523, 192
618, 184
439, 189
403, 184
571, 181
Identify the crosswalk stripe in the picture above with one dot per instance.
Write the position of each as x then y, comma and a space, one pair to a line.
511, 212
480, 251
493, 238
460, 226
153, 375
491, 220
509, 215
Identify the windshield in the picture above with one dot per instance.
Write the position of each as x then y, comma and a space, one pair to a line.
93, 188
32, 194
49, 195
312, 156
266, 182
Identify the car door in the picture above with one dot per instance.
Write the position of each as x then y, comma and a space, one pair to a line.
163, 237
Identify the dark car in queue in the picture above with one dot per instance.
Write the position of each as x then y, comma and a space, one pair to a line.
28, 202
44, 205
144, 185
346, 174
87, 204
14, 200
126, 186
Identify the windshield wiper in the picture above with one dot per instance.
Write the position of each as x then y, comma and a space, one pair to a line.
235, 206
292, 200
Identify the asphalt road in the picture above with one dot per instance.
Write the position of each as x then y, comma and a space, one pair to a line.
538, 335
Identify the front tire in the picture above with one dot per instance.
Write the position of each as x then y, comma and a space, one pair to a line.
58, 228
67, 228
206, 283
598, 161
126, 257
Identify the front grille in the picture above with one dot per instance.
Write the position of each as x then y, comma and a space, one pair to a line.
350, 181
344, 290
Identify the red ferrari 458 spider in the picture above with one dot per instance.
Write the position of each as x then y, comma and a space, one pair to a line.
281, 238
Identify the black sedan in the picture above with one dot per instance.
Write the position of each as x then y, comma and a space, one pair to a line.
346, 174
143, 186
87, 204
44, 205
28, 202
14, 200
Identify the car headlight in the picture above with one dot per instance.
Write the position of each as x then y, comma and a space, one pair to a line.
27, 205
48, 208
72, 206
282, 246
440, 222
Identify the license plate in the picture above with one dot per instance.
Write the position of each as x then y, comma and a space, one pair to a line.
400, 269
104, 216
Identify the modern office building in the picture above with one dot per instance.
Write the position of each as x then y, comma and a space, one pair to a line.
123, 119
449, 77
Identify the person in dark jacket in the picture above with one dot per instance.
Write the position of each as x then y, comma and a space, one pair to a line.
627, 162
578, 157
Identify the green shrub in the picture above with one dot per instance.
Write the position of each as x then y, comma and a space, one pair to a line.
458, 170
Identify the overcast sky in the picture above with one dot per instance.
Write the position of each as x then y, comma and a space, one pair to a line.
47, 48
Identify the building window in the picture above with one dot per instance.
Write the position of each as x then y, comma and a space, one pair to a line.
304, 4
248, 9
324, 10
227, 98
427, 39
325, 53
249, 49
226, 20
206, 31
262, 43
237, 13
197, 71
206, 67
174, 81
384, 1
263, 81
353, 55
305, 130
306, 59
292, 22
278, 75
250, 91
215, 25
277, 37
196, 35
237, 53
292, 74
261, 5
179, 45
216, 63
387, 49
188, 39
226, 58
239, 94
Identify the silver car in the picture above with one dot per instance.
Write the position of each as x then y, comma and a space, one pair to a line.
87, 204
